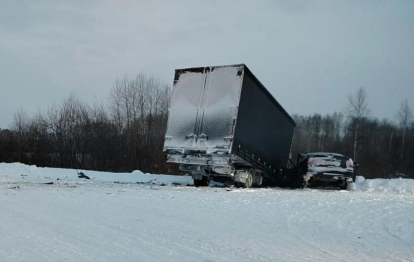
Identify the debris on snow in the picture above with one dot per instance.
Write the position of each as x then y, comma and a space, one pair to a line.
82, 175
12, 172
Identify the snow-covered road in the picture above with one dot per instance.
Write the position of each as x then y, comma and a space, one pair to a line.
101, 221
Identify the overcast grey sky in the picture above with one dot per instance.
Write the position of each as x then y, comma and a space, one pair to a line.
309, 54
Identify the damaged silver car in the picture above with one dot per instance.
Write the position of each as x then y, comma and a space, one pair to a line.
327, 169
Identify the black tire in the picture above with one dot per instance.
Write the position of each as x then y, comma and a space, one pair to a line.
345, 185
298, 181
202, 183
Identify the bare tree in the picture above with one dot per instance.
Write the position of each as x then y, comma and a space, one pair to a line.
69, 125
357, 111
139, 108
405, 119
20, 122
130, 135
20, 128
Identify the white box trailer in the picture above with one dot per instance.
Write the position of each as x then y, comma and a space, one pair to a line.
223, 124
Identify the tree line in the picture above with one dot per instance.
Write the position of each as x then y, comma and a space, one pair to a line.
122, 135
127, 133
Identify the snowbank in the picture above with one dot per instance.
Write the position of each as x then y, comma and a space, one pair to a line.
10, 172
396, 185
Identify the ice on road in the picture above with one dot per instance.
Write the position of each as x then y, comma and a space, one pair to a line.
101, 221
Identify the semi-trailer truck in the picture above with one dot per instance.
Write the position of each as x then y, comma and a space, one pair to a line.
224, 125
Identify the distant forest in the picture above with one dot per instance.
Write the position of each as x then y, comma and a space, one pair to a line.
127, 133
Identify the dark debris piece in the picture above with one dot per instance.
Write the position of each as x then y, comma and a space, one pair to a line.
82, 175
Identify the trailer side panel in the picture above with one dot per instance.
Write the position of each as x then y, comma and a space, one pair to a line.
263, 127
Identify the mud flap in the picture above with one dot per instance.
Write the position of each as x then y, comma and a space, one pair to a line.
257, 180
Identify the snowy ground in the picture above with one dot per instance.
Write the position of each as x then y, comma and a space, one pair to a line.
98, 220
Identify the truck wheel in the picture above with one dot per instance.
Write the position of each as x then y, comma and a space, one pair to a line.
203, 182
249, 180
345, 185
303, 184
298, 182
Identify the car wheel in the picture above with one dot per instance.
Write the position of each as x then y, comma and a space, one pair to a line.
345, 185
203, 182
298, 181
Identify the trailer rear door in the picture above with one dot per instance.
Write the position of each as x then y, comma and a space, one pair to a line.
204, 108
221, 100
184, 110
